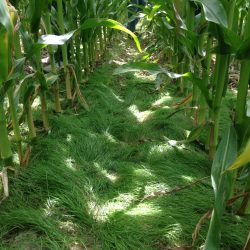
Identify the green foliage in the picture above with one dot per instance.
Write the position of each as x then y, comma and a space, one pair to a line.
222, 183
87, 179
214, 11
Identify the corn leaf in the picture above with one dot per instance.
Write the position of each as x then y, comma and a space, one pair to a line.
195, 134
224, 157
153, 12
214, 11
17, 69
4, 88
244, 51
5, 19
4, 58
36, 9
228, 41
6, 35
54, 39
242, 159
98, 22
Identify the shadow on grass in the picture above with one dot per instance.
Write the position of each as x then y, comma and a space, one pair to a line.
86, 181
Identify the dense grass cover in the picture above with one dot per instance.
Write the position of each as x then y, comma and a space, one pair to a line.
86, 181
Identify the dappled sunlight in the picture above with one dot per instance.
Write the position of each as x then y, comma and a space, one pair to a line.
140, 116
145, 76
50, 206
120, 203
109, 137
144, 209
69, 138
15, 158
111, 176
70, 164
152, 188
68, 226
164, 98
173, 232
159, 149
176, 144
121, 62
36, 103
92, 135
188, 178
143, 172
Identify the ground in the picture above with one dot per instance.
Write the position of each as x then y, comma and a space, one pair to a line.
86, 183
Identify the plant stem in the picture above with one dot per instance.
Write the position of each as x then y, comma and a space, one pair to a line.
5, 149
58, 108
30, 121
243, 81
60, 21
15, 123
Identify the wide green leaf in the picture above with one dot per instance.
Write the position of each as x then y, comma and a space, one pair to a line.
214, 11
36, 9
228, 41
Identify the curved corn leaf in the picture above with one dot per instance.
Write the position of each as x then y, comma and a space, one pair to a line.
88, 24
109, 23
214, 11
242, 159
153, 12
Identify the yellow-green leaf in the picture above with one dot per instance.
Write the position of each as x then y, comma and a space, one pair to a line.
242, 159
112, 24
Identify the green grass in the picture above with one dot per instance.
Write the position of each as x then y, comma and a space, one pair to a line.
86, 180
